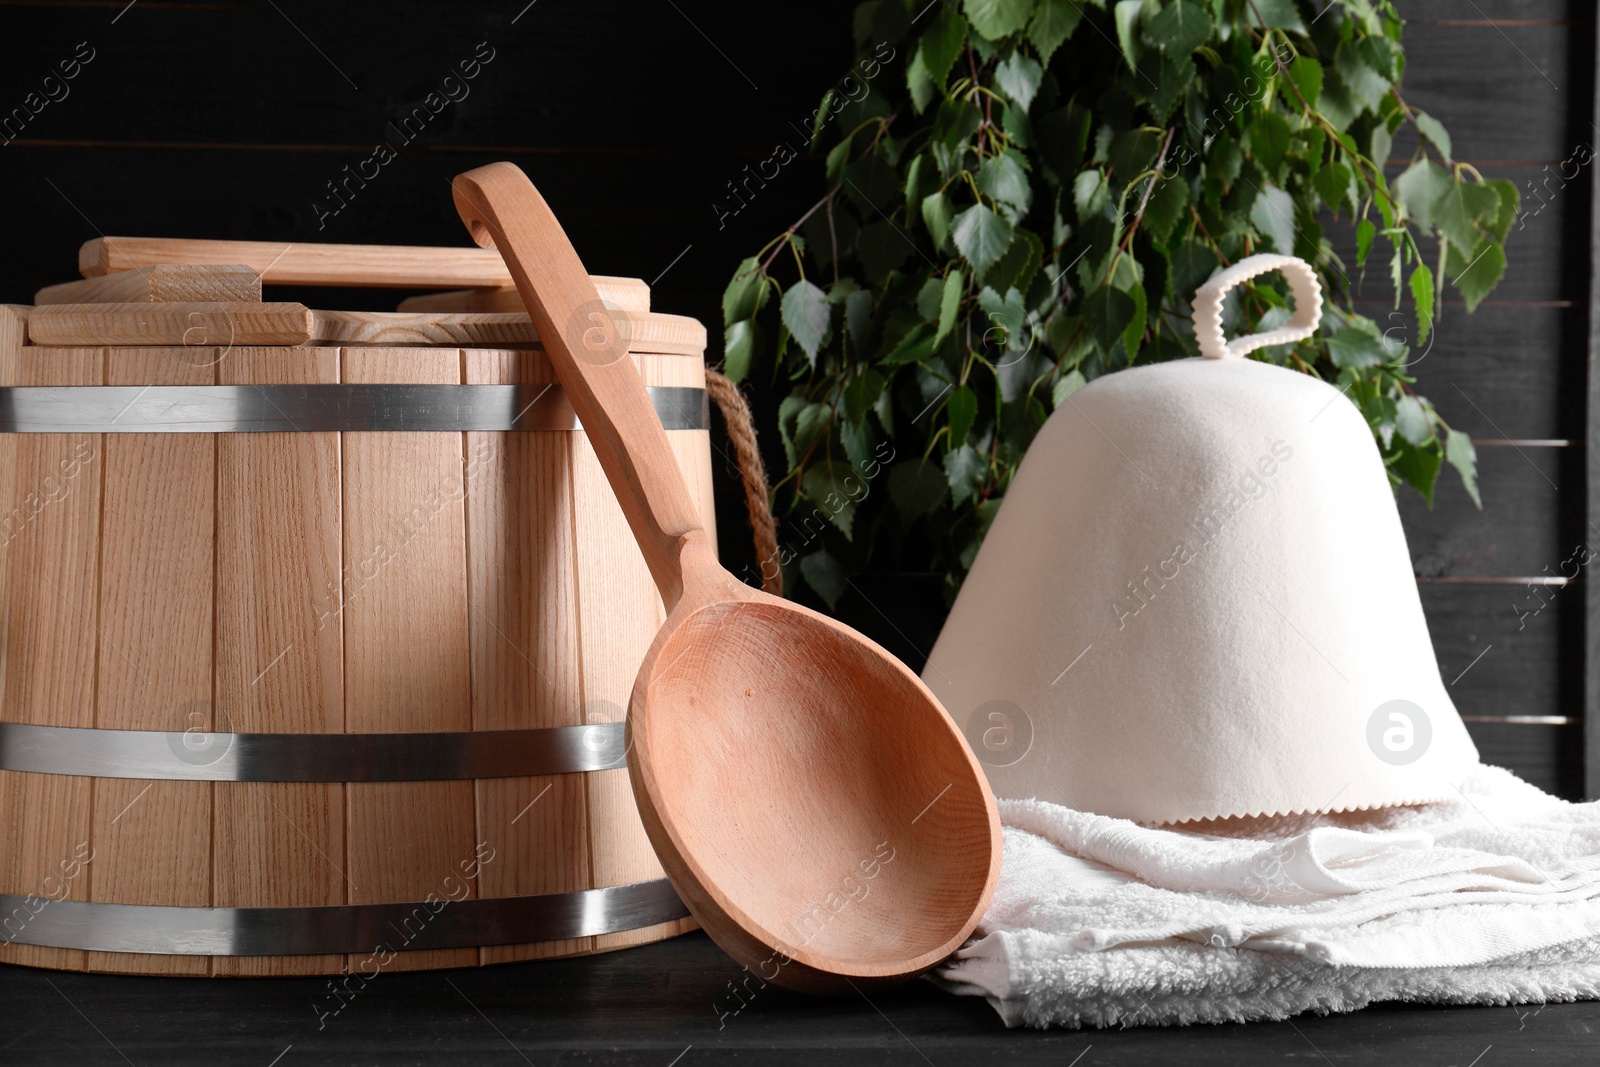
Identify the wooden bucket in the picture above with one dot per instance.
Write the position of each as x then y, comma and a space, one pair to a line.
318, 627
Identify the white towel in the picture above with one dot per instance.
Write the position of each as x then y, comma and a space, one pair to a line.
1492, 897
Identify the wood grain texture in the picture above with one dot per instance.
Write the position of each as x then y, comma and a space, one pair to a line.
407, 665
770, 746
368, 266
649, 1005
197, 324
280, 663
613, 292
1530, 521
167, 283
642, 332
523, 598
152, 839
50, 537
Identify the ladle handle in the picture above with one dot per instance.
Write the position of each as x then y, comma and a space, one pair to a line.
589, 351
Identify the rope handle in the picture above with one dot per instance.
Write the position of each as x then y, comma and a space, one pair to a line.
753, 473
1208, 306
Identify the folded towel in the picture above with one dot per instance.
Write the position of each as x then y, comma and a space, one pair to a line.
1491, 897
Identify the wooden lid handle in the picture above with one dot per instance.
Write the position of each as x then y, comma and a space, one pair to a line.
589, 351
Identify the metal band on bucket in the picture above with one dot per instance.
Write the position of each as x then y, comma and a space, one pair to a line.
351, 928
315, 408
246, 757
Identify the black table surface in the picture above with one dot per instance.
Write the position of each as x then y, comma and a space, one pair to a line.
663, 1005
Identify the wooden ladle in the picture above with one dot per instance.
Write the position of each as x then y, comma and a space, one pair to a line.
810, 800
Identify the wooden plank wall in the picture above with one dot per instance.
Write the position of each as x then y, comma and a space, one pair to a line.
172, 129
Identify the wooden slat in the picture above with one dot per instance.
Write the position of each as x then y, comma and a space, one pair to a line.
1528, 524
279, 655
152, 839
1551, 757
525, 652
368, 266
51, 555
406, 652
1502, 371
166, 283
619, 614
1532, 114
1591, 448
1507, 650
197, 324
506, 298
671, 334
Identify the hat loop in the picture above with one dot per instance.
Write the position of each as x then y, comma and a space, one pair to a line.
1208, 306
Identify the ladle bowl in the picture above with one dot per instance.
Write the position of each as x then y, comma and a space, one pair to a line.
810, 800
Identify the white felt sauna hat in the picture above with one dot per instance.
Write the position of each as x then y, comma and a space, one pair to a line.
1196, 601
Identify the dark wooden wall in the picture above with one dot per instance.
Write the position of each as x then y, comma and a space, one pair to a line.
227, 119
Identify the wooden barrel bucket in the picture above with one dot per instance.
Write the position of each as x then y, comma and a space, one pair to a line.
318, 633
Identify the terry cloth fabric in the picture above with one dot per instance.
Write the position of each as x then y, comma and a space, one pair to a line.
1491, 897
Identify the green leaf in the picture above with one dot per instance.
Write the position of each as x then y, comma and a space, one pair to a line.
1169, 200
1507, 213
834, 488
1269, 140
806, 314
858, 316
1016, 268
1132, 152
1333, 185
998, 19
949, 304
801, 424
981, 236
1364, 233
1053, 22
881, 247
1126, 14
964, 469
936, 216
1418, 466
1019, 76
1411, 420
914, 347
1434, 131
962, 412
1063, 135
942, 44
1134, 334
746, 293
1090, 194
1458, 212
826, 575
1275, 15
1306, 73
1003, 178
861, 392
1464, 458
1065, 386
1476, 276
1107, 312
1423, 293
919, 83
1419, 187
1179, 28
1272, 215
741, 343
1355, 348
1356, 70
915, 488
